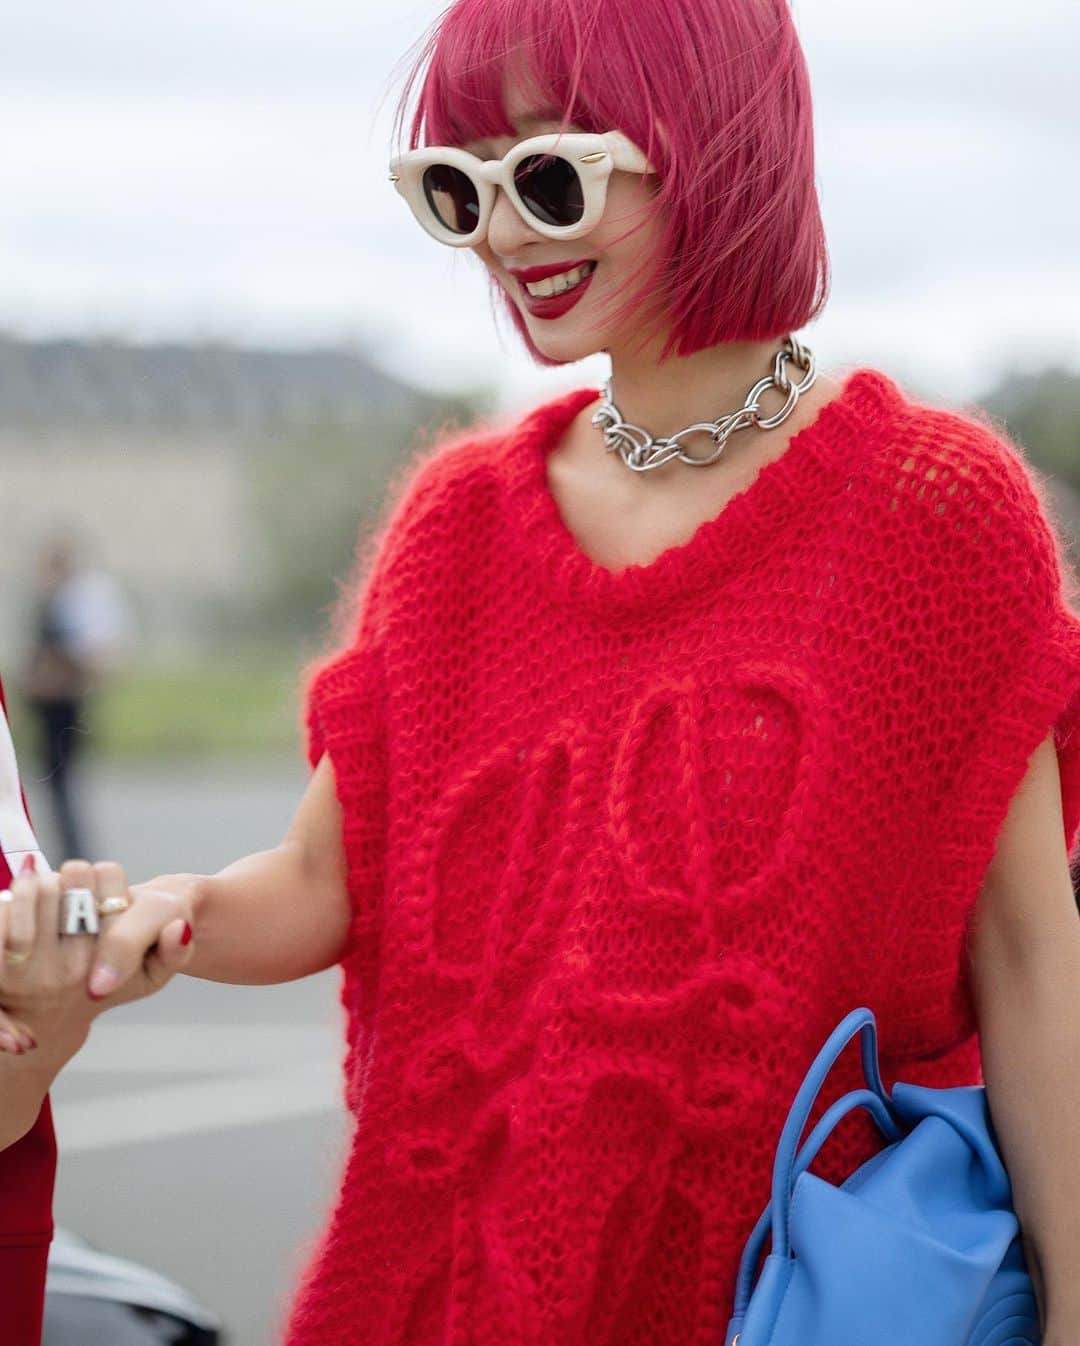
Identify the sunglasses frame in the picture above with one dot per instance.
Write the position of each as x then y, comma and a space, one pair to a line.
594, 157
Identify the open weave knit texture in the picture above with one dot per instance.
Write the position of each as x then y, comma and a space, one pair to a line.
624, 847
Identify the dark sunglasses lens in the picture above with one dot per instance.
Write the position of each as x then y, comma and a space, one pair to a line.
551, 189
452, 197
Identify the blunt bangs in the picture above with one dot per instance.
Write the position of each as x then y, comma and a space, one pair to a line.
717, 95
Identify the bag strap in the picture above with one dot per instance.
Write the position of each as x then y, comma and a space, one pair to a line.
791, 1161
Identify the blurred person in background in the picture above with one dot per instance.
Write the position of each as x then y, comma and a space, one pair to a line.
46, 955
81, 632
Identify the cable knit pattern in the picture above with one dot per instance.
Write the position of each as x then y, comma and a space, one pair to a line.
624, 846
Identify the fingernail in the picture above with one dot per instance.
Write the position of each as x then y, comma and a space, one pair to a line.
27, 1041
103, 980
29, 865
8, 1043
185, 938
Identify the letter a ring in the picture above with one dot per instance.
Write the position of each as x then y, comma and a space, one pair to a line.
78, 912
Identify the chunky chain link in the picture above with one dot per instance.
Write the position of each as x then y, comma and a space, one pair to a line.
641, 452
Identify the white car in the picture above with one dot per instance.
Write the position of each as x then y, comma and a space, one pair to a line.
93, 1299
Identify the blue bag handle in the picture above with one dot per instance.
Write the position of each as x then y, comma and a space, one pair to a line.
791, 1161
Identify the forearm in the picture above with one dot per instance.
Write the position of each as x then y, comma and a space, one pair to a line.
1029, 1032
26, 1079
268, 917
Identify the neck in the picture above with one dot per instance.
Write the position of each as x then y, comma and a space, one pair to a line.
665, 398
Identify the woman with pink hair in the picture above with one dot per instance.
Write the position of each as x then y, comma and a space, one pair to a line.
661, 728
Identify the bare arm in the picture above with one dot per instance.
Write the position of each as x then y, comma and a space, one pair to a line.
279, 914
1026, 983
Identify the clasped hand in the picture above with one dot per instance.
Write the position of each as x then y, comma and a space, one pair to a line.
53, 983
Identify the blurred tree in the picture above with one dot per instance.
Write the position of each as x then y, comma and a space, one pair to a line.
312, 491
1042, 411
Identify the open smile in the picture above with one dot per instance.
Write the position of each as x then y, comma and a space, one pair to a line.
557, 295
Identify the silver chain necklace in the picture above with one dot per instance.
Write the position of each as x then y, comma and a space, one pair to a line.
641, 452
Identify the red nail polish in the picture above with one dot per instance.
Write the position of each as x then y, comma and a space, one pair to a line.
29, 865
185, 938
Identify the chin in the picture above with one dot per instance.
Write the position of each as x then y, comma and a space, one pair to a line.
567, 352
583, 338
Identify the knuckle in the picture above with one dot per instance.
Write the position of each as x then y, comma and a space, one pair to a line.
121, 950
77, 953
23, 905
22, 930
75, 871
109, 869
168, 905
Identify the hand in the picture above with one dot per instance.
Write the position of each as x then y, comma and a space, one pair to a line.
140, 950
46, 992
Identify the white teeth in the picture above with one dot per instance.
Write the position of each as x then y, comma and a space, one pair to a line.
565, 281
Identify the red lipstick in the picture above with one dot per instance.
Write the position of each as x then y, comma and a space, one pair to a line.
535, 273
555, 305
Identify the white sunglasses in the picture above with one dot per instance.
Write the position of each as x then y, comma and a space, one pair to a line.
557, 183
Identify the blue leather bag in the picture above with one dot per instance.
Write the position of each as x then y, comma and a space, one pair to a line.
920, 1246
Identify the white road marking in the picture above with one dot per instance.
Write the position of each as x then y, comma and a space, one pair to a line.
196, 1107
202, 1048
260, 1073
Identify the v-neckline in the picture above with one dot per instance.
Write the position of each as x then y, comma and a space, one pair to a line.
811, 467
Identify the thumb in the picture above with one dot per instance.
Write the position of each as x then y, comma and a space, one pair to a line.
170, 954
174, 948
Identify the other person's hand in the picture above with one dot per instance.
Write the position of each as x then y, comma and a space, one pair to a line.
57, 984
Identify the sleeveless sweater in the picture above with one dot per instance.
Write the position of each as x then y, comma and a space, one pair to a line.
624, 846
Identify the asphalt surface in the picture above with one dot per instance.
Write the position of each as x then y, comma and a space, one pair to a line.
201, 1132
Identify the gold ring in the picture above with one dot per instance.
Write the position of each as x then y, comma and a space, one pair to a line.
108, 906
10, 956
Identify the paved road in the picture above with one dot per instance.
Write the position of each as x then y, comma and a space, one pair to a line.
201, 1132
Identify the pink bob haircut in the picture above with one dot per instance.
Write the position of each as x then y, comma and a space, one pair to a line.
716, 93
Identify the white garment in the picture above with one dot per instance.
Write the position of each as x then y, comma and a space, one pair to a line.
96, 617
16, 835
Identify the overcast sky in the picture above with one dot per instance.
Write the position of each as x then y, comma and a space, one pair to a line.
219, 169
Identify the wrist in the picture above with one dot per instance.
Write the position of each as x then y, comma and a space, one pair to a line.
191, 887
26, 1079
60, 1033
57, 1044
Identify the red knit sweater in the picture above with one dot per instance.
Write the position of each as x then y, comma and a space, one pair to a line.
623, 848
